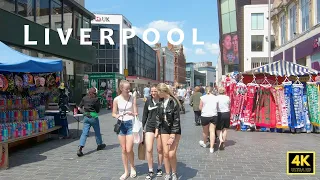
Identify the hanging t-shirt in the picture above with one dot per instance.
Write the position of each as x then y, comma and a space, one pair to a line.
209, 105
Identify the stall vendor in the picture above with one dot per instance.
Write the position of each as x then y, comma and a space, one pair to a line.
63, 108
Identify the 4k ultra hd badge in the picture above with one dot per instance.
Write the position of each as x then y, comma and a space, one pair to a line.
301, 163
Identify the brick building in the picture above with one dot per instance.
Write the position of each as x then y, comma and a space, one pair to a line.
179, 63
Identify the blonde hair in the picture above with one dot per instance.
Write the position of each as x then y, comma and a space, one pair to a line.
208, 90
197, 89
221, 90
121, 84
163, 88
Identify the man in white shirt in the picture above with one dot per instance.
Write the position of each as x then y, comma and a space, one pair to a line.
182, 92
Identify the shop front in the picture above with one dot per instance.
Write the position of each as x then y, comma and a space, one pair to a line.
104, 81
303, 51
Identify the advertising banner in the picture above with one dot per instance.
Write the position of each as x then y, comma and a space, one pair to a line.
230, 50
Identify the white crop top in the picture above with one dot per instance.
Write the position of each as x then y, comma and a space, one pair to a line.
125, 106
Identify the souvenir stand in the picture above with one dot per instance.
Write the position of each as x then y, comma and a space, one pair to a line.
266, 98
26, 83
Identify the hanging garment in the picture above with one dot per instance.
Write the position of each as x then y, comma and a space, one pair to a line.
297, 95
306, 114
249, 104
288, 100
236, 108
265, 112
313, 102
281, 109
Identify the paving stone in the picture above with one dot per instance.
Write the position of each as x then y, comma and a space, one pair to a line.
248, 155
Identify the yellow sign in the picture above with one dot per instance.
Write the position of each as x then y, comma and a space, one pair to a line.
126, 73
301, 162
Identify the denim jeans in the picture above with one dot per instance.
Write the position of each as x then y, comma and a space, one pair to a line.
87, 123
126, 128
197, 115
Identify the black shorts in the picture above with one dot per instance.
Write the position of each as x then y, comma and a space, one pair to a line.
150, 128
165, 129
223, 120
207, 120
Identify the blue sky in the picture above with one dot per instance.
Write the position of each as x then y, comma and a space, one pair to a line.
168, 14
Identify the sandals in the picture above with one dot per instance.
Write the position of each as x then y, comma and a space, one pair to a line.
222, 146
133, 173
124, 176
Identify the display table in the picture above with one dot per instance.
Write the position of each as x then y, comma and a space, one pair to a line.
4, 150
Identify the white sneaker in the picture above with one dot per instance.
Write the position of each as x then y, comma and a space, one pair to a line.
211, 150
202, 144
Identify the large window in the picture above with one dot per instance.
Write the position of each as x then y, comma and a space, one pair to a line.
67, 17
43, 12
56, 14
77, 24
283, 29
305, 14
26, 9
257, 43
228, 16
292, 16
8, 5
257, 20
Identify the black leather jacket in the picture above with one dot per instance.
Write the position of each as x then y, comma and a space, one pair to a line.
173, 115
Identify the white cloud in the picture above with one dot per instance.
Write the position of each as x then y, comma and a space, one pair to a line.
200, 51
160, 25
212, 47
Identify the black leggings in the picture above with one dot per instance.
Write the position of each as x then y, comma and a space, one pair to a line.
197, 115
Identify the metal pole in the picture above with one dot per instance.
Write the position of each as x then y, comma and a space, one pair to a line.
269, 31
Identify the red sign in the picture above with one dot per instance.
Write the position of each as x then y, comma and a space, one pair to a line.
316, 43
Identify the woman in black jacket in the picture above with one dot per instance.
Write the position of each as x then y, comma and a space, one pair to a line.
149, 123
168, 126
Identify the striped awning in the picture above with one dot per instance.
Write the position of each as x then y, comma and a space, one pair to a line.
282, 68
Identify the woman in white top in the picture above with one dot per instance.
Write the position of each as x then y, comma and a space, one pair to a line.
223, 116
209, 116
125, 109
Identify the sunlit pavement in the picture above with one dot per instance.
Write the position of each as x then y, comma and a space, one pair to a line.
248, 155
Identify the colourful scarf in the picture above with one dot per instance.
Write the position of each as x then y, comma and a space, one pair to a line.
297, 95
313, 102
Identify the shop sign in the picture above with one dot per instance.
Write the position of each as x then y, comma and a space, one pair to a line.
102, 19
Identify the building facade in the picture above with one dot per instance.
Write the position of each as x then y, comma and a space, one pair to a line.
179, 63
210, 73
231, 20
190, 74
53, 14
142, 61
256, 36
159, 62
296, 24
110, 58
168, 57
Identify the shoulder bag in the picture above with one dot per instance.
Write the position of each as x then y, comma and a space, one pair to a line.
117, 126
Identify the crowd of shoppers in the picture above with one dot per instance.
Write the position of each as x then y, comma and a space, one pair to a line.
160, 123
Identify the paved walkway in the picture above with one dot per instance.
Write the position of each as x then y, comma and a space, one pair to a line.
247, 156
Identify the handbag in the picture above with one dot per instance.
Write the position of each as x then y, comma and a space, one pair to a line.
117, 126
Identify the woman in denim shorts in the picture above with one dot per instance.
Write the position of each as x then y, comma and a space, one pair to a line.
125, 109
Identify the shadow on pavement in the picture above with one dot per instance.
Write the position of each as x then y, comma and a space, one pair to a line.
30, 152
230, 143
184, 172
109, 147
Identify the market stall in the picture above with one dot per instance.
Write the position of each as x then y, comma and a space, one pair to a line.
104, 81
274, 97
26, 83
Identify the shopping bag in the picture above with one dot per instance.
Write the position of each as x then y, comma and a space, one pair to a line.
137, 131
137, 125
142, 151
